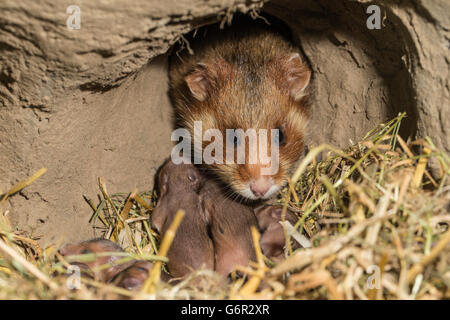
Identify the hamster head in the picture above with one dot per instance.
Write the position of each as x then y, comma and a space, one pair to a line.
90, 246
95, 246
177, 184
236, 92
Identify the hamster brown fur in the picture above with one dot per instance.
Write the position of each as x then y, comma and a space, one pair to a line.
133, 277
97, 246
244, 77
192, 247
230, 229
215, 231
273, 239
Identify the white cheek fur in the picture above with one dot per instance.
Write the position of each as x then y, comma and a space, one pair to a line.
273, 189
247, 193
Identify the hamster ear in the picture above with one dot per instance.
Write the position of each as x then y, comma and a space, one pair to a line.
194, 178
163, 181
297, 76
208, 207
204, 76
197, 82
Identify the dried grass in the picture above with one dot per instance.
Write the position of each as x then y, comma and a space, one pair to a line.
377, 220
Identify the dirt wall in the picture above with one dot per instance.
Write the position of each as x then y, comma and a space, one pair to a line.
93, 102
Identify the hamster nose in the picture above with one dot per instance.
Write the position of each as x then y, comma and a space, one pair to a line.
260, 186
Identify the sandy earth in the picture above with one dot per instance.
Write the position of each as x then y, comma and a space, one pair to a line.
93, 102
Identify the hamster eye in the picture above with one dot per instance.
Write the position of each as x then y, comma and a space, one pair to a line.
233, 139
280, 139
163, 182
236, 141
192, 175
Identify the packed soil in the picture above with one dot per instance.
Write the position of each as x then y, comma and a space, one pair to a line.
93, 102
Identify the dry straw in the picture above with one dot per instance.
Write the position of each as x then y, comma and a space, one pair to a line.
376, 217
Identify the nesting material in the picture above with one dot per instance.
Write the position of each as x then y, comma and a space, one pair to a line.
376, 219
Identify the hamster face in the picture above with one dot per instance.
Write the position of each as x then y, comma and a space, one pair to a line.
244, 78
179, 187
96, 246
228, 97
